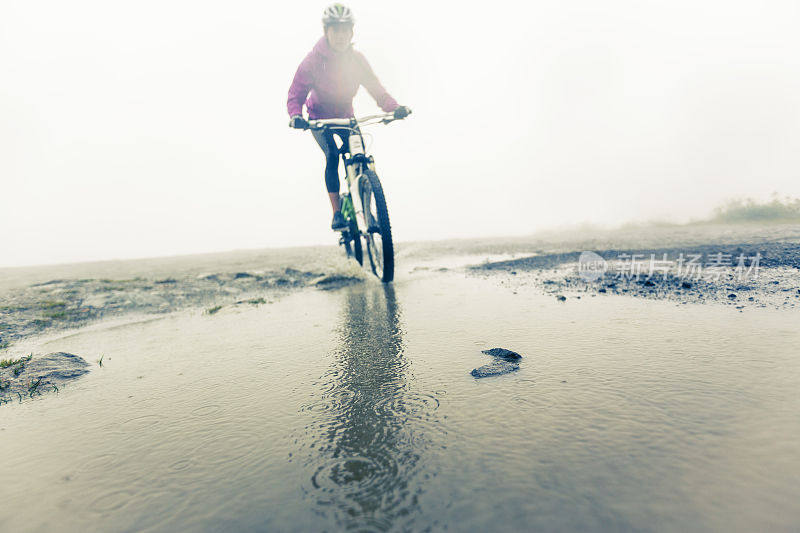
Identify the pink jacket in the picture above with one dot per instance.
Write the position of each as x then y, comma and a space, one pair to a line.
333, 80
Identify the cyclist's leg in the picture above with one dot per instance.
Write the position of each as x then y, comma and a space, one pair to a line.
328, 145
344, 135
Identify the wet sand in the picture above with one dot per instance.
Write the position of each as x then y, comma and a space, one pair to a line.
355, 408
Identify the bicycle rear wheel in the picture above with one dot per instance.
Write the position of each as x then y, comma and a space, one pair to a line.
378, 239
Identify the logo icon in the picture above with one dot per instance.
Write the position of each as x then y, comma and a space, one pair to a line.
591, 266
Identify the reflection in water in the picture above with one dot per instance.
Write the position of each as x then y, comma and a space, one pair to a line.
369, 425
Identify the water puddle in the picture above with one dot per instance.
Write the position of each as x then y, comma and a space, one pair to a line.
355, 408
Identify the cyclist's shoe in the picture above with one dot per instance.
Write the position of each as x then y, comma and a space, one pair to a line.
338, 222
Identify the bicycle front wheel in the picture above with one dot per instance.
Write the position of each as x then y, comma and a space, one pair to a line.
378, 239
352, 242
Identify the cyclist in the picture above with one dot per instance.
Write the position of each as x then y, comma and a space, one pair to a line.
332, 73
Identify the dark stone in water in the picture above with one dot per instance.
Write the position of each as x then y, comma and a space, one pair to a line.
497, 368
502, 353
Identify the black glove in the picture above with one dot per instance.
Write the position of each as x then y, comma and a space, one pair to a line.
298, 122
401, 112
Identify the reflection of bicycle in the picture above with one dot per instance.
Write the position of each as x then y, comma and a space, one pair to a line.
363, 203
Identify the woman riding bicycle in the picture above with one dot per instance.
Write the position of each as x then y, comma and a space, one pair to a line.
332, 72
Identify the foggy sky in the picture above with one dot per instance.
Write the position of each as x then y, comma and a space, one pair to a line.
131, 129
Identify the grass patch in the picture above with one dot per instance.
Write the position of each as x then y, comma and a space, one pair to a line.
5, 363
51, 304
257, 301
749, 210
33, 386
55, 314
109, 288
212, 310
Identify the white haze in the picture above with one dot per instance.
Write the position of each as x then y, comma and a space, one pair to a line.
147, 128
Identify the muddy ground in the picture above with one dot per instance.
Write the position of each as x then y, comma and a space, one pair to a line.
765, 274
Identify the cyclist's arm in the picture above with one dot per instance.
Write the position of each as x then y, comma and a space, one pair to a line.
370, 82
298, 91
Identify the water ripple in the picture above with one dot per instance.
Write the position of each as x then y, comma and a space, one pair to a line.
353, 475
140, 422
180, 465
111, 501
407, 406
206, 410
235, 444
99, 462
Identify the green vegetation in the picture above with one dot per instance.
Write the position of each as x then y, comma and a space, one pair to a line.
109, 288
212, 310
100, 361
50, 304
257, 301
5, 363
131, 280
54, 309
749, 210
55, 314
33, 386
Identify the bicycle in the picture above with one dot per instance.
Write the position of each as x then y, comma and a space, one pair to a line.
363, 190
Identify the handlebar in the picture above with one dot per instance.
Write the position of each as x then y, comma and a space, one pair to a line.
384, 118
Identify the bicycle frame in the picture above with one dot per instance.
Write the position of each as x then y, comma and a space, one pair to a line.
354, 156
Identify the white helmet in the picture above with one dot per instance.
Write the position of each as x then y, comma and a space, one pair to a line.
337, 14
